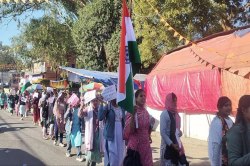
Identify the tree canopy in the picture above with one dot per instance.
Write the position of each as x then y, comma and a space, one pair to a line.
90, 29
93, 29
46, 39
192, 18
8, 60
6, 56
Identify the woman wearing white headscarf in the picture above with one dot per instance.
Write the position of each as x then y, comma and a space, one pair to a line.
22, 108
73, 129
40, 104
44, 105
51, 101
172, 151
93, 141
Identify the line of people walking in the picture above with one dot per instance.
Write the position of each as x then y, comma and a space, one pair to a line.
106, 129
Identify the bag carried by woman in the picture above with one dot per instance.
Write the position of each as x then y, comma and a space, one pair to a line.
132, 158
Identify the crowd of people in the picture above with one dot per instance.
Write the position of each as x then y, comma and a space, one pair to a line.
229, 142
123, 138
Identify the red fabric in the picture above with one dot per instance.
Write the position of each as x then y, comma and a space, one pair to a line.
122, 80
139, 140
187, 72
197, 92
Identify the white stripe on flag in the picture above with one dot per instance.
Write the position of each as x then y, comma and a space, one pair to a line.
130, 35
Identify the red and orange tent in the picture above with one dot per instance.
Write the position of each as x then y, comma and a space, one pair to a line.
200, 73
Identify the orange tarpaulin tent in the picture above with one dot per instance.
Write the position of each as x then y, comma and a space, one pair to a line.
200, 73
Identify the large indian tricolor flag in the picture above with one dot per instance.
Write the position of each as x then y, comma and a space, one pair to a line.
129, 62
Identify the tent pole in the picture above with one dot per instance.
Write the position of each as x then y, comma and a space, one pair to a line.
81, 88
208, 121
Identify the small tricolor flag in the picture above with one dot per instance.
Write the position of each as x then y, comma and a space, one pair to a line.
129, 62
25, 86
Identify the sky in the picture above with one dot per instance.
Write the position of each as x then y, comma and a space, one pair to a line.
9, 29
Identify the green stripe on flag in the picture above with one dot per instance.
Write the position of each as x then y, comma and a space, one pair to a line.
128, 103
134, 56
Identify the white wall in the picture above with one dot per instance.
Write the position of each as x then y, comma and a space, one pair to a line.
193, 126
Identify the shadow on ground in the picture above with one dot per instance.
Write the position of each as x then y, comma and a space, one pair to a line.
9, 129
3, 124
10, 157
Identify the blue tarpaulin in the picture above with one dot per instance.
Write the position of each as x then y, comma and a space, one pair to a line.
106, 78
76, 75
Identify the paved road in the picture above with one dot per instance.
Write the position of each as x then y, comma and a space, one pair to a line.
21, 145
195, 150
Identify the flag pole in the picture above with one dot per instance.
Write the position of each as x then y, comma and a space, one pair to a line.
131, 8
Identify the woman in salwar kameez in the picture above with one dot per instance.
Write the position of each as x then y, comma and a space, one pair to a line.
11, 102
114, 117
59, 110
3, 99
172, 152
138, 138
36, 110
17, 104
22, 103
28, 103
45, 112
73, 131
51, 102
92, 133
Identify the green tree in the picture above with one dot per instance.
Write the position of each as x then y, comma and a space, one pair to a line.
192, 18
46, 39
13, 10
112, 51
94, 28
95, 25
22, 53
6, 56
